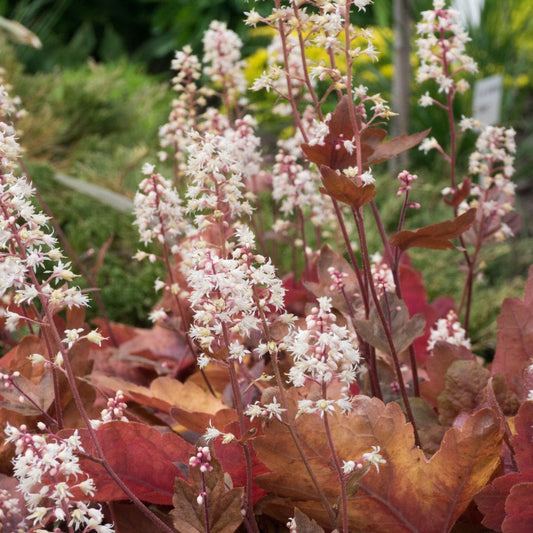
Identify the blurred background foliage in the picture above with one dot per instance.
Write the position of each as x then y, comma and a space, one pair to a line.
98, 90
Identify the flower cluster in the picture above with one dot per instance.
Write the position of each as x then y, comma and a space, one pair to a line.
494, 193
48, 472
222, 51
216, 180
9, 511
382, 275
323, 352
318, 30
28, 249
230, 296
296, 187
159, 214
115, 410
184, 107
448, 330
269, 410
441, 48
202, 460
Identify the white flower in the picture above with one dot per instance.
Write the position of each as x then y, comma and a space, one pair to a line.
71, 336
348, 467
374, 457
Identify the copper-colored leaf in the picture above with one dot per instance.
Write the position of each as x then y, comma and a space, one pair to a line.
373, 136
435, 236
344, 189
464, 387
34, 380
42, 394
224, 506
144, 459
514, 348
340, 125
404, 330
128, 518
437, 364
460, 193
304, 524
396, 146
164, 394
18, 360
409, 493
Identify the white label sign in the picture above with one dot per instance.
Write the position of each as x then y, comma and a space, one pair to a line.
488, 99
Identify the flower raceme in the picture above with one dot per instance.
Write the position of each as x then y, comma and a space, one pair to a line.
441, 48
48, 470
323, 352
31, 266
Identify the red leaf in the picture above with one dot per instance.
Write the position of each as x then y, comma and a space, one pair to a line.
144, 459
434, 236
519, 509
505, 499
491, 500
523, 440
231, 457
344, 189
514, 348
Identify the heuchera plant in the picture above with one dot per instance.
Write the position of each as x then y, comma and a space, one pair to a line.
336, 398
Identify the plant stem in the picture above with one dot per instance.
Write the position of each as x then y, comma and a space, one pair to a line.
366, 262
338, 468
205, 504
248, 503
298, 444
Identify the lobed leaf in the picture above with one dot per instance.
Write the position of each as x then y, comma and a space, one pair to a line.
224, 506
409, 493
460, 194
187, 402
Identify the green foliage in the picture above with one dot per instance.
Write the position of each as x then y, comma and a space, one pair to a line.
96, 122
